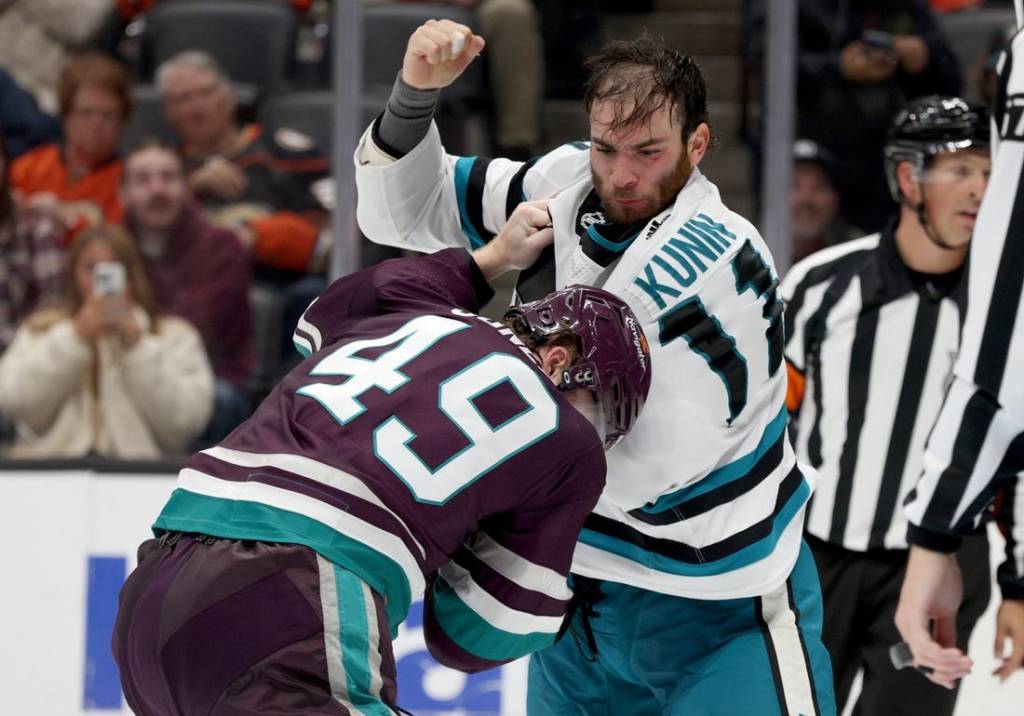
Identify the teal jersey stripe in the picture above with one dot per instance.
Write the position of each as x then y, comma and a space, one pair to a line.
737, 560
616, 247
476, 635
727, 473
463, 166
302, 349
355, 642
241, 519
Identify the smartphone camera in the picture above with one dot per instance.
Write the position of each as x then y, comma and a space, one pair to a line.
878, 41
108, 278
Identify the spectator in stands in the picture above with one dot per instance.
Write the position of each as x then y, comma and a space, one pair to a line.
197, 271
38, 39
815, 201
32, 258
858, 64
25, 126
267, 189
105, 373
78, 179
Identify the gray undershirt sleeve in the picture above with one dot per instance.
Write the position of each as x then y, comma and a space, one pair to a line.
406, 119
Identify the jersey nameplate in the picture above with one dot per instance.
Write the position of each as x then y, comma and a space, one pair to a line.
684, 258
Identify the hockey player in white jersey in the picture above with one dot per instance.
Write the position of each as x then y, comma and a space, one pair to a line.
692, 574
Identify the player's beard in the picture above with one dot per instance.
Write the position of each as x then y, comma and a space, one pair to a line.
666, 189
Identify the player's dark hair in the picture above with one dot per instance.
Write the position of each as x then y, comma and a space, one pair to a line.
642, 75
564, 338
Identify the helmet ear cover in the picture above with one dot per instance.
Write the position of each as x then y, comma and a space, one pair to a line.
580, 375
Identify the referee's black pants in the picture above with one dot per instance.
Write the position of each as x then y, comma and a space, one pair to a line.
861, 591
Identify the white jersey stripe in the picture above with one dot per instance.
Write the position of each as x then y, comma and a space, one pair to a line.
794, 671
314, 470
311, 330
888, 364
373, 656
516, 569
339, 520
490, 609
336, 677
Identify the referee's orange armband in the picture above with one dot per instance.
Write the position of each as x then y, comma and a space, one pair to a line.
794, 388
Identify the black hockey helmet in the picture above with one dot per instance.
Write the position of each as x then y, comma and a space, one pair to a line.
929, 126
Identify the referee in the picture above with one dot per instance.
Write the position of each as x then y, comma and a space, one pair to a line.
977, 445
872, 331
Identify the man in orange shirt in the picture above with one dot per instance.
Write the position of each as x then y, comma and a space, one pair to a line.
79, 178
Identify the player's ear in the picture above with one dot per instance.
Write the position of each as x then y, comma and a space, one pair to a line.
554, 360
909, 186
697, 143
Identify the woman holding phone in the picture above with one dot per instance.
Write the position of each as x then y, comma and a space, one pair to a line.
105, 373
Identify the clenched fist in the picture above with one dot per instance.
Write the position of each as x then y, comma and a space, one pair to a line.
438, 52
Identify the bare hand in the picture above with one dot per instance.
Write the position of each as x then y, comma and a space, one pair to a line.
912, 52
218, 177
438, 52
98, 317
860, 65
520, 241
128, 326
932, 591
246, 237
1010, 625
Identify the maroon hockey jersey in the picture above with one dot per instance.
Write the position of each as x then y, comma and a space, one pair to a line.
420, 446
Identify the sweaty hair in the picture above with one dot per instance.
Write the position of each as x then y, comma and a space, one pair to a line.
97, 71
564, 338
640, 76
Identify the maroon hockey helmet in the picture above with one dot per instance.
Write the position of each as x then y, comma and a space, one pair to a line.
614, 362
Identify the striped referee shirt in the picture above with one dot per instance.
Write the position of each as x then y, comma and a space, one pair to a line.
976, 449
870, 347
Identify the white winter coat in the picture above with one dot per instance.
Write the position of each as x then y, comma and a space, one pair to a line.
69, 399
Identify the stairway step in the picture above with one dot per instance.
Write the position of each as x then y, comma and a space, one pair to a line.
698, 5
694, 33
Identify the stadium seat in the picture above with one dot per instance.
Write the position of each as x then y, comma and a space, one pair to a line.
267, 306
146, 120
310, 112
253, 41
386, 31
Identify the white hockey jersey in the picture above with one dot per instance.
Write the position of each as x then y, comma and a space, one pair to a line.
704, 498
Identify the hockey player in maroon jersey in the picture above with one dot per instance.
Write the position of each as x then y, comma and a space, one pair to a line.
418, 448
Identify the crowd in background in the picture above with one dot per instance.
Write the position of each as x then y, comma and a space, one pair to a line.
137, 251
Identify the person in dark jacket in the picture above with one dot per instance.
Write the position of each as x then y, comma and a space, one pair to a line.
859, 63
198, 271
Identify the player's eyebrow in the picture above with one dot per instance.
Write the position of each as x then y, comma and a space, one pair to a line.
646, 144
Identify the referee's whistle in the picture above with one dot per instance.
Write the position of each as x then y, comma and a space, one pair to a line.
902, 657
